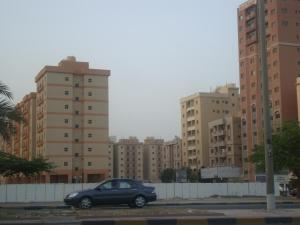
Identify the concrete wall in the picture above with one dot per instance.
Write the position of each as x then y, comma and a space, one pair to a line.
56, 192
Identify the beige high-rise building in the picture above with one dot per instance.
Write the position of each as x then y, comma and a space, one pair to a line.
153, 159
128, 159
197, 111
72, 121
283, 58
171, 154
298, 97
23, 142
225, 144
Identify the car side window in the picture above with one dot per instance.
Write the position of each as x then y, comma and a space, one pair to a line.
124, 184
109, 185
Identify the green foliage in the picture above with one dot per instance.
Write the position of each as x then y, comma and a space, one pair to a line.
168, 175
286, 151
8, 113
11, 165
192, 176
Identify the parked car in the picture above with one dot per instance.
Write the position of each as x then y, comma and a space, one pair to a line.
114, 191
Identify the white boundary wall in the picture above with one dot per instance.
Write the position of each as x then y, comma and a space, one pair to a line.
56, 192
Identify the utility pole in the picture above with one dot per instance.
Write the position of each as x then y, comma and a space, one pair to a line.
266, 106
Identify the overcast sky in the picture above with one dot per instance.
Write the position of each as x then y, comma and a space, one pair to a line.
157, 50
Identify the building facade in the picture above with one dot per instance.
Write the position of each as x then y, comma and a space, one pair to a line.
128, 159
298, 97
72, 121
171, 154
197, 111
225, 144
283, 57
153, 159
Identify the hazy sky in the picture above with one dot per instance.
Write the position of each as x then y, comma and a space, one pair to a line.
157, 50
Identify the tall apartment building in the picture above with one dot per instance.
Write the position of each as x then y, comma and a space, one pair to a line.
72, 121
171, 154
225, 145
283, 46
197, 111
152, 159
128, 159
23, 141
298, 97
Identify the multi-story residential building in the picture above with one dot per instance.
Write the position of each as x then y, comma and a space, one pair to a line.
171, 154
72, 121
152, 159
28, 128
23, 141
225, 146
298, 96
111, 149
128, 159
283, 57
196, 111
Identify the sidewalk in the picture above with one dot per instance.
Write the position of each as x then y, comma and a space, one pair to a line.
203, 201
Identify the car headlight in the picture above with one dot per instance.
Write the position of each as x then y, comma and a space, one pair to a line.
72, 195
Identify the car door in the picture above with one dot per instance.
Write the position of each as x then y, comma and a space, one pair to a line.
127, 191
106, 193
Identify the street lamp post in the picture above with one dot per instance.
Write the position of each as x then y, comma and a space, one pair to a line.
266, 108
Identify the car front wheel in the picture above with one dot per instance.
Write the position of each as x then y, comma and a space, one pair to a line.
85, 203
139, 201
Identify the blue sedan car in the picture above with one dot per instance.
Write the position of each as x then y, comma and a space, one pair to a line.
114, 191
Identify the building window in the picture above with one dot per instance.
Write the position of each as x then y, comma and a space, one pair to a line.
66, 106
90, 121
66, 121
66, 92
89, 93
90, 80
90, 135
90, 107
76, 154
66, 78
284, 23
77, 112
76, 168
66, 149
76, 98
89, 163
76, 126
76, 85
76, 140
65, 163
89, 149
66, 135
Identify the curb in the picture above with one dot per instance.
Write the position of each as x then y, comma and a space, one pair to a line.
198, 221
168, 221
38, 207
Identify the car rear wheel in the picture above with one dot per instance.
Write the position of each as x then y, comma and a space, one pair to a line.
85, 203
140, 201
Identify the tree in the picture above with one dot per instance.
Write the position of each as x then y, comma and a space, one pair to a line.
11, 165
286, 152
192, 176
8, 112
168, 175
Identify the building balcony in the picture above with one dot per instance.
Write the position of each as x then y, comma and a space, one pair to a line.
190, 148
40, 115
191, 138
251, 15
251, 28
191, 128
